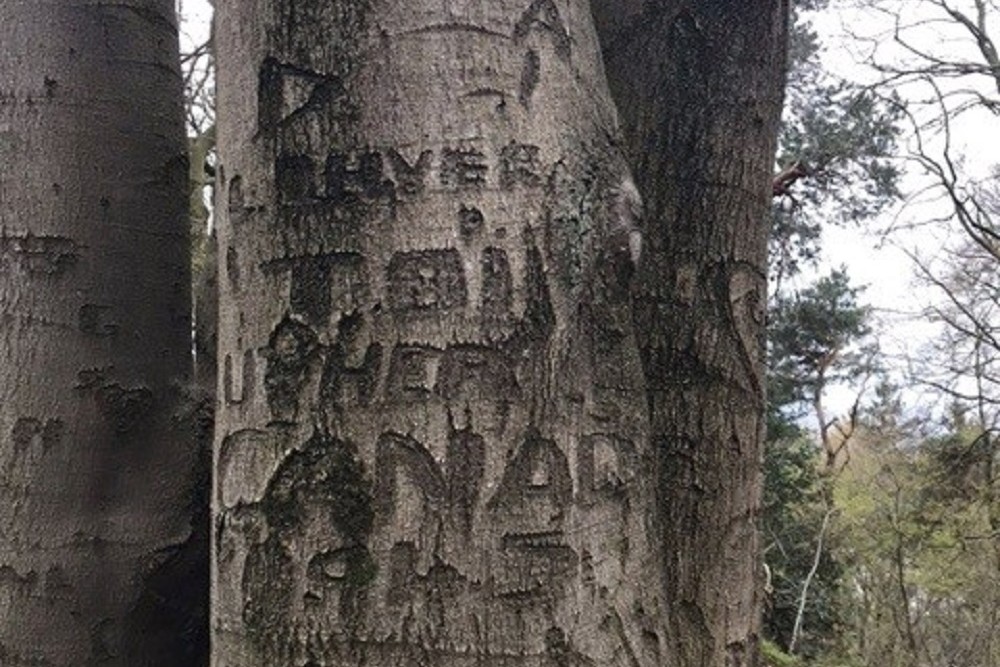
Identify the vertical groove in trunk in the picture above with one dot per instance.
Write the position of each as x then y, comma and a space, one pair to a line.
95, 471
432, 441
699, 87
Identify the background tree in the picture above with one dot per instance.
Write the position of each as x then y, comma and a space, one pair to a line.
817, 340
433, 441
699, 89
836, 149
97, 450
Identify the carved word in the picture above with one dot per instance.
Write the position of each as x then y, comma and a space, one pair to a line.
348, 178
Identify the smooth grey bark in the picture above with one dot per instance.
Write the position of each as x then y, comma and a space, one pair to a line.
96, 462
699, 87
432, 440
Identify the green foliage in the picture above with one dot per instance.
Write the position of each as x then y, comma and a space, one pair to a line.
919, 538
772, 656
845, 136
792, 518
816, 336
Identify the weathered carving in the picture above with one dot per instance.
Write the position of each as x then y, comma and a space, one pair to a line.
233, 269
520, 165
124, 407
544, 16
533, 565
466, 461
529, 510
39, 254
416, 500
294, 177
498, 288
320, 282
93, 320
410, 179
463, 168
394, 454
246, 380
290, 352
606, 465
318, 511
235, 201
34, 434
426, 280
286, 92
413, 371
354, 176
530, 75
453, 492
539, 317
342, 384
246, 461
470, 222
536, 483
477, 372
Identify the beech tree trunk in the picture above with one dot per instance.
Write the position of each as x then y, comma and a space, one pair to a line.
95, 463
699, 85
432, 438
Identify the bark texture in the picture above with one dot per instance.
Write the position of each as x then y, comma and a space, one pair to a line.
699, 86
95, 463
432, 442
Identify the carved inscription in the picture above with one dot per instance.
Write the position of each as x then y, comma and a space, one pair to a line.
351, 177
470, 222
463, 167
287, 92
413, 372
410, 178
466, 463
290, 351
520, 165
348, 179
498, 289
419, 506
531, 66
453, 491
246, 460
345, 384
606, 465
233, 269
317, 280
318, 511
391, 351
125, 408
246, 379
94, 320
30, 433
294, 178
477, 372
533, 565
529, 508
536, 479
543, 15
38, 254
426, 280
402, 460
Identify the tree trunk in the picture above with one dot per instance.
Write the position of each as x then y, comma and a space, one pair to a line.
95, 468
699, 86
432, 441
